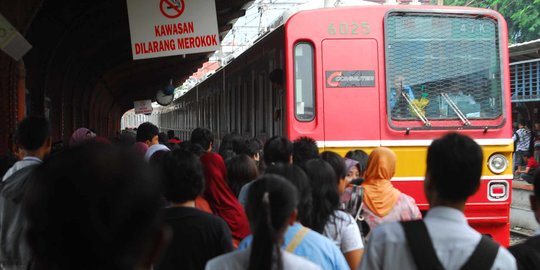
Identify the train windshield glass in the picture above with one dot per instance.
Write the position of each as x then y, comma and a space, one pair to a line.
442, 67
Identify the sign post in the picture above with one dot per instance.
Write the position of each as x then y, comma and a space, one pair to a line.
172, 27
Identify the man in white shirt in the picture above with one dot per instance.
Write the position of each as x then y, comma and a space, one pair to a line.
34, 142
454, 167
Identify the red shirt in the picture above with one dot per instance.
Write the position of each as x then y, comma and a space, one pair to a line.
531, 163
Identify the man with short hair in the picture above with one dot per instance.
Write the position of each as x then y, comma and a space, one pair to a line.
33, 137
527, 254
197, 236
148, 134
443, 240
304, 149
277, 149
203, 137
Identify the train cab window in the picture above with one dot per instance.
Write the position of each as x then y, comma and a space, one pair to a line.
304, 91
443, 67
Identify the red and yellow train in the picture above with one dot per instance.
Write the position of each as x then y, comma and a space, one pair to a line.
370, 76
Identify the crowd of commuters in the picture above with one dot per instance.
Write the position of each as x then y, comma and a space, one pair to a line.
150, 201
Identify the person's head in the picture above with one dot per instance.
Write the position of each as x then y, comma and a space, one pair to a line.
254, 149
271, 207
362, 158
241, 169
202, 137
113, 224
182, 176
304, 149
381, 165
338, 164
278, 149
352, 170
527, 155
81, 135
277, 77
299, 179
324, 191
522, 123
535, 198
454, 168
147, 133
33, 136
162, 138
170, 134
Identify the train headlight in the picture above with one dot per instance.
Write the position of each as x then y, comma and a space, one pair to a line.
497, 163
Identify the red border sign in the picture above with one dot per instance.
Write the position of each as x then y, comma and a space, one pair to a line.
171, 10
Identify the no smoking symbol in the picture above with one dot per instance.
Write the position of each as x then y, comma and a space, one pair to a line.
172, 9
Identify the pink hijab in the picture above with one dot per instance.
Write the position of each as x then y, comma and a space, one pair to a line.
80, 135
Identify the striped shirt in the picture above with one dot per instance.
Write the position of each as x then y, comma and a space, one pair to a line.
524, 139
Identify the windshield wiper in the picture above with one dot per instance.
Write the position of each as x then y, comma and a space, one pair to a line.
456, 109
416, 110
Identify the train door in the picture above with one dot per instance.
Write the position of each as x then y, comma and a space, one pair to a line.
350, 93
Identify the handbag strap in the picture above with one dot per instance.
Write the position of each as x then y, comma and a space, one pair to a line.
297, 239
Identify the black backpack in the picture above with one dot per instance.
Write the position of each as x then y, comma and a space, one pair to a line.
425, 257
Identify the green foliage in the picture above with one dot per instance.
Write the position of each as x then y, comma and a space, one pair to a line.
522, 16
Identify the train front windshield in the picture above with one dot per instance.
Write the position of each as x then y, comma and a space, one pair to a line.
442, 67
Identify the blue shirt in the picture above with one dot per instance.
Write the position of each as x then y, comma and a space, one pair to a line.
393, 98
314, 247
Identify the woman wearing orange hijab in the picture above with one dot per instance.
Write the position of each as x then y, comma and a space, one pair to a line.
382, 201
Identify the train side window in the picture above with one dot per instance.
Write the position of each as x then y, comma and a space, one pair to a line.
304, 90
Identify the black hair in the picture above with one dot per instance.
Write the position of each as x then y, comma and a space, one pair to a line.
299, 179
146, 132
304, 149
182, 176
193, 148
170, 134
202, 137
126, 138
162, 138
271, 201
276, 76
337, 162
241, 169
523, 122
94, 204
254, 146
454, 164
277, 149
324, 192
360, 156
527, 154
32, 133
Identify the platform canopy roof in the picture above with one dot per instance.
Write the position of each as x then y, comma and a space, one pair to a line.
82, 48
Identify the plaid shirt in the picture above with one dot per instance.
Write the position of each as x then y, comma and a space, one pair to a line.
524, 139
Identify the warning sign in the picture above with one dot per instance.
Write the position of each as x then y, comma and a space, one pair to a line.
143, 106
172, 9
172, 27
